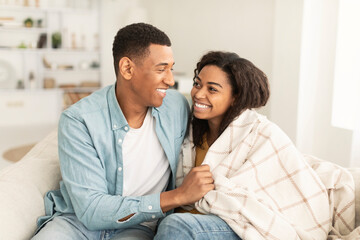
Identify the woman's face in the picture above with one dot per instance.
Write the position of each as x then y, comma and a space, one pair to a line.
211, 94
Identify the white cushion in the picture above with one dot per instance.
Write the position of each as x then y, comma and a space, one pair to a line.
23, 186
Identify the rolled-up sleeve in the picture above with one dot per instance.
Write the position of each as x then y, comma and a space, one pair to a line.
86, 183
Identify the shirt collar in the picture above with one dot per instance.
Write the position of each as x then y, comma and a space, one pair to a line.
117, 117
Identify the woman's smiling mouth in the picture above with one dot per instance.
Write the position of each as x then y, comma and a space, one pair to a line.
199, 106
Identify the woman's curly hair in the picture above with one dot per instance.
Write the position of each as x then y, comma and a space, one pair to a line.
249, 84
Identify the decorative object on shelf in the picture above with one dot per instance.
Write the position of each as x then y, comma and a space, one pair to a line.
83, 41
46, 63
7, 75
72, 97
73, 41
42, 41
39, 23
89, 84
65, 38
20, 84
95, 64
56, 40
96, 41
4, 20
65, 67
22, 45
49, 83
66, 86
28, 22
83, 65
32, 81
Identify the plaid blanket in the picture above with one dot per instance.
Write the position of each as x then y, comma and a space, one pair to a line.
266, 189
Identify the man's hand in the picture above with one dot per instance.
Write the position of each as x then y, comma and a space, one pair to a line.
196, 184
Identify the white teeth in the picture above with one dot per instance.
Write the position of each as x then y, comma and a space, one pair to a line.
161, 90
201, 105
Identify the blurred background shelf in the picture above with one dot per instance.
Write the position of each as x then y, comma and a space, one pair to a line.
49, 44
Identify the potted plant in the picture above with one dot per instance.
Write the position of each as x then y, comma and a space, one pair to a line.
28, 22
56, 40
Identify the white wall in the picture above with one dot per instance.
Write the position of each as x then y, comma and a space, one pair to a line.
303, 75
315, 134
286, 64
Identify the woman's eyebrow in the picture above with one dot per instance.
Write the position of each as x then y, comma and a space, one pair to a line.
214, 83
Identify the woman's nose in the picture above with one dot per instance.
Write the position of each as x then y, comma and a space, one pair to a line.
200, 93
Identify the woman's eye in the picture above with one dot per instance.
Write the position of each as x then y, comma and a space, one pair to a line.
212, 89
196, 84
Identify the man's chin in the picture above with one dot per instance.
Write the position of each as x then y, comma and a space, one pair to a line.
157, 104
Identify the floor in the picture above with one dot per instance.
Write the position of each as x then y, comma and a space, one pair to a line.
15, 136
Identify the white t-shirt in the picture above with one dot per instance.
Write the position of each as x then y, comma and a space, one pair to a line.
145, 165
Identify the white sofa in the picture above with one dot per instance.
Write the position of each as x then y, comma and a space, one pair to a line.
24, 184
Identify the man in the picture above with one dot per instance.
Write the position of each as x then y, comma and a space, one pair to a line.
118, 149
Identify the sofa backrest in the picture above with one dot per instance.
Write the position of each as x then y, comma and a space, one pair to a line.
23, 186
356, 175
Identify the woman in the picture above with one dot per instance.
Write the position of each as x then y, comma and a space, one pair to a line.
264, 187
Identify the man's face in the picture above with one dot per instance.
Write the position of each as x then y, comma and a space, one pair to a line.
153, 76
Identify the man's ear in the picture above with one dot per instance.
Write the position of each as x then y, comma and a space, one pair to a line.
126, 68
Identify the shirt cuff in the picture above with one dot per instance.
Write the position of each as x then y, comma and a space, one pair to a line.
150, 207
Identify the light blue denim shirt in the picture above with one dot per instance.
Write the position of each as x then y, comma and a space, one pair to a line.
90, 151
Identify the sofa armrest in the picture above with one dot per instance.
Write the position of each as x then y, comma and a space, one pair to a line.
23, 186
356, 174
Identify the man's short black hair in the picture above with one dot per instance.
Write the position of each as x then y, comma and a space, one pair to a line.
133, 41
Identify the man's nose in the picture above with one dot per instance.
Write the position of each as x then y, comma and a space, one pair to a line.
169, 79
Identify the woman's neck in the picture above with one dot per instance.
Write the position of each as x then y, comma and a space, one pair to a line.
213, 132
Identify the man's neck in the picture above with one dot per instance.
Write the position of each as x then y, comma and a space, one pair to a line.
133, 112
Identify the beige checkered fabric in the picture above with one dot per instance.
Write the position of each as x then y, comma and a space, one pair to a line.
266, 189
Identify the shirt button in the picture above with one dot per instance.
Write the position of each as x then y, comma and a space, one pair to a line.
119, 169
114, 126
153, 216
126, 128
150, 207
119, 140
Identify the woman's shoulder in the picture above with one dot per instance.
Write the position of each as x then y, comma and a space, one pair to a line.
262, 125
